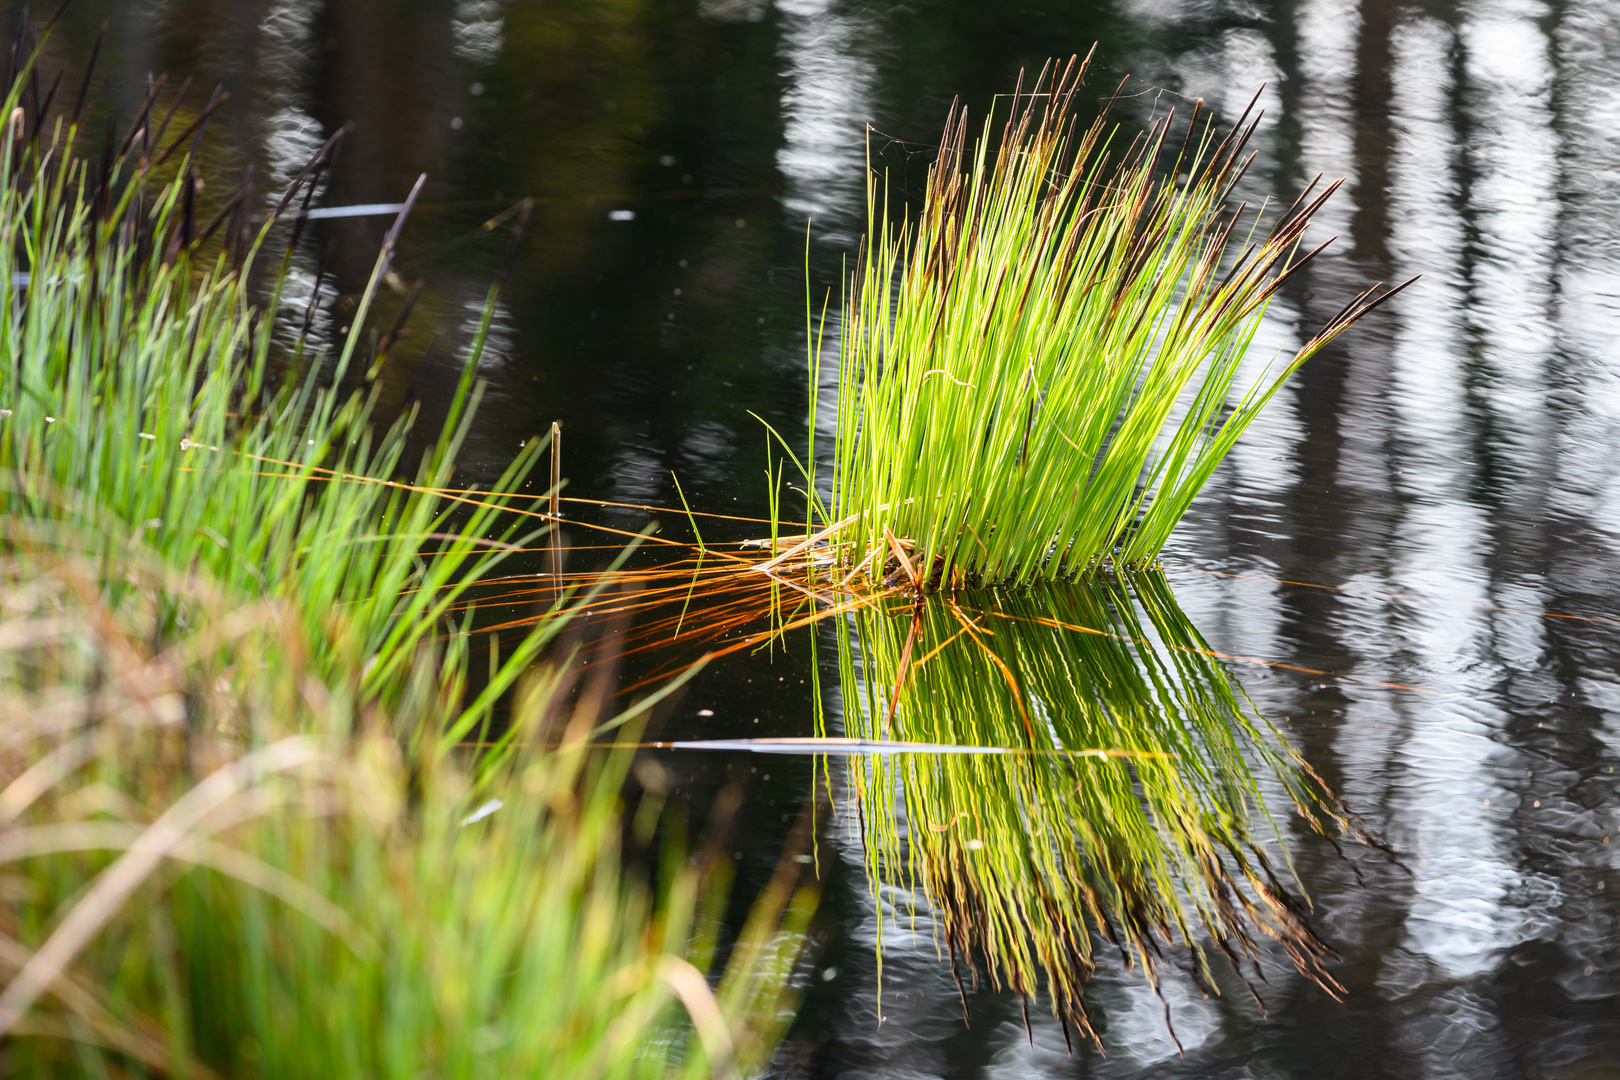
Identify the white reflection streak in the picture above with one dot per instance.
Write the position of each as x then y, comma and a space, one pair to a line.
1251, 68
1258, 470
1260, 466
636, 475
825, 109
1327, 50
1589, 265
499, 340
1228, 76
1515, 199
1589, 330
479, 30
291, 134
920, 1006
1457, 921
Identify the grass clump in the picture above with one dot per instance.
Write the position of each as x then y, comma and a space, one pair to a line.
241, 833
141, 392
1037, 373
1133, 808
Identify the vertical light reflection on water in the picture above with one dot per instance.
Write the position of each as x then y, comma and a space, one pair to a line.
825, 108
1477, 897
1230, 73
1250, 61
1245, 65
290, 135
1587, 44
920, 1012
1513, 200
478, 27
288, 138
830, 71
1456, 921
1227, 66
1327, 31
1340, 64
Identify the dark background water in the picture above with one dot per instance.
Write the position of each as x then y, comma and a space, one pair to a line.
1401, 514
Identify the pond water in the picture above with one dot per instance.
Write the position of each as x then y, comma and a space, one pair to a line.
1420, 538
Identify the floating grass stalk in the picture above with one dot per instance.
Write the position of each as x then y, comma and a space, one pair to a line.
1136, 814
1037, 373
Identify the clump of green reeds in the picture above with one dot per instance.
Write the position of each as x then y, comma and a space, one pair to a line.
1037, 372
218, 863
1134, 811
141, 388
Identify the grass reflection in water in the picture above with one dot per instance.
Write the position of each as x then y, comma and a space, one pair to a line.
1029, 859
1055, 770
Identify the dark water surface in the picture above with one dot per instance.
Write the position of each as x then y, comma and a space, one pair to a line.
1434, 502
